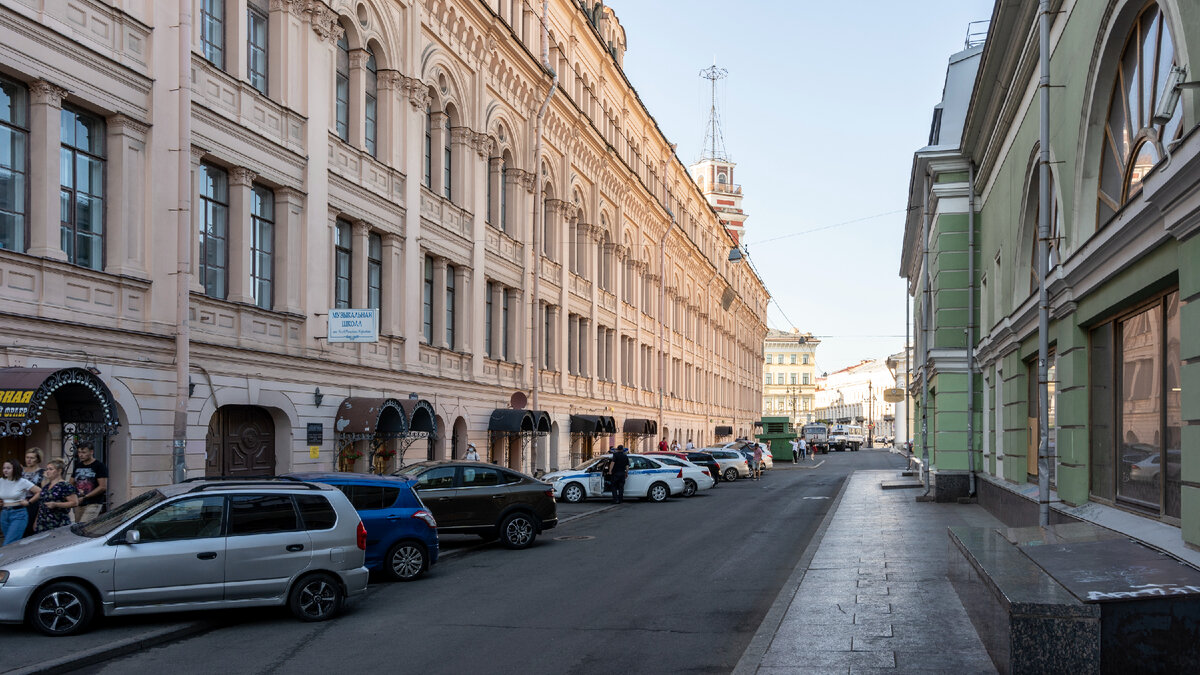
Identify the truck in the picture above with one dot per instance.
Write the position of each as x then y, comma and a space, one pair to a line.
844, 437
816, 437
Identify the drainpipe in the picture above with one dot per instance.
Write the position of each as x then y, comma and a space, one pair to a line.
926, 310
1042, 248
971, 322
183, 274
662, 297
538, 211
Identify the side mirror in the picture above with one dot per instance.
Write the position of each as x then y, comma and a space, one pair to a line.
132, 537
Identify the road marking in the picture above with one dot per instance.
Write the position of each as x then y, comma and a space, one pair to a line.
816, 498
574, 537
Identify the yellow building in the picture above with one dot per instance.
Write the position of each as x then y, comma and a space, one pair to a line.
790, 375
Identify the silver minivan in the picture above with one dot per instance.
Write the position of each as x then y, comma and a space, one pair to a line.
193, 545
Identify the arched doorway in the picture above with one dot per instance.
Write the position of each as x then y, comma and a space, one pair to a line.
240, 441
458, 439
437, 442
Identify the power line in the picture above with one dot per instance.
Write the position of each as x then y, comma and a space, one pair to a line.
830, 227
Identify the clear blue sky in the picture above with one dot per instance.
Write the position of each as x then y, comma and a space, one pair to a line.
822, 110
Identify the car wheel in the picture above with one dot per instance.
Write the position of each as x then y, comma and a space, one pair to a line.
316, 598
573, 493
658, 492
731, 474
63, 608
518, 530
689, 487
406, 560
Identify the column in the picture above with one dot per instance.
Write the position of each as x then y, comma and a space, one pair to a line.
241, 181
572, 343
289, 250
498, 292
358, 265
393, 290
236, 49
493, 177
463, 306
439, 303
45, 219
414, 270
124, 211
358, 98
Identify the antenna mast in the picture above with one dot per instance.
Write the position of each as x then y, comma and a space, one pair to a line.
714, 139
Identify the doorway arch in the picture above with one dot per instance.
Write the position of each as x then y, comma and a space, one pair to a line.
240, 442
458, 439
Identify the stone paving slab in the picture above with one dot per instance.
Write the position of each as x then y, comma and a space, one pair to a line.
873, 596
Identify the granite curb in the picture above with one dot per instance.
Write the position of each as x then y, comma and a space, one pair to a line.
94, 655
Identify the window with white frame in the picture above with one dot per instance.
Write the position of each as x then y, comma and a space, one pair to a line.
257, 43
212, 32
14, 165
214, 230
81, 172
342, 264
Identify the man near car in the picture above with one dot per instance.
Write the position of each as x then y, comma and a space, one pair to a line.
756, 470
91, 482
618, 469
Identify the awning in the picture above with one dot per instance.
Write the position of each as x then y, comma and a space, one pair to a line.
593, 425
640, 426
608, 425
420, 416
360, 417
82, 399
528, 422
723, 431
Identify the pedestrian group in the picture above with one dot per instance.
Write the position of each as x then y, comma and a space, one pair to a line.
38, 498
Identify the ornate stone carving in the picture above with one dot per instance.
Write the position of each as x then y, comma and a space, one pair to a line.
522, 178
485, 146
359, 58
390, 80
295, 7
198, 154
461, 135
324, 21
127, 125
241, 176
417, 93
44, 92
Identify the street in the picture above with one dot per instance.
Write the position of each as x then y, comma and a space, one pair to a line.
673, 587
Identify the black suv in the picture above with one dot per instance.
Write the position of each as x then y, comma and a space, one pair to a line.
484, 499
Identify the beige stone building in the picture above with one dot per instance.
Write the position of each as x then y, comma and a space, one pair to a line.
366, 154
790, 375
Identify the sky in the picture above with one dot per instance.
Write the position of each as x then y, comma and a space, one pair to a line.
822, 109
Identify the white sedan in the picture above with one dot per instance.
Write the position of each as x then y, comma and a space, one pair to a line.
695, 477
648, 477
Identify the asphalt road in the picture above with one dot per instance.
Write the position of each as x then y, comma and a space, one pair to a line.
673, 587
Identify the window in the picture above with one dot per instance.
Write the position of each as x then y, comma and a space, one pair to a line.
342, 89
370, 497
371, 112
257, 44
768, 378
804, 359
81, 195
547, 336
481, 477
14, 164
450, 294
487, 218
1135, 416
262, 246
779, 378
261, 514
1133, 143
503, 196
316, 512
792, 378
192, 518
793, 358
504, 322
487, 320
427, 177
427, 302
804, 379
375, 271
343, 256
436, 478
212, 31
448, 168
214, 230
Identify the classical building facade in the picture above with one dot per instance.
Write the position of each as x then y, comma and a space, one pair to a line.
1124, 360
854, 395
789, 375
365, 154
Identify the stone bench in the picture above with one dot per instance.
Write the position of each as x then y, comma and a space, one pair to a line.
1027, 621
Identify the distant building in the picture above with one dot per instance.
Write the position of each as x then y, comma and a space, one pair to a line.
900, 363
790, 375
854, 395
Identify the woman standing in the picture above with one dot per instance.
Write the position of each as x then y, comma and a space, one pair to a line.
58, 498
32, 472
13, 488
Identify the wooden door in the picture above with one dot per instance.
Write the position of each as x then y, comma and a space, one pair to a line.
241, 441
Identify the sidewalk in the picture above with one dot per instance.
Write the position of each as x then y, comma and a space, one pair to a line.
871, 593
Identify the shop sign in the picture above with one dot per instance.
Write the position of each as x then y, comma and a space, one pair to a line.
353, 325
15, 402
893, 395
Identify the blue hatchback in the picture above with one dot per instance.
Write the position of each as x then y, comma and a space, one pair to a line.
402, 537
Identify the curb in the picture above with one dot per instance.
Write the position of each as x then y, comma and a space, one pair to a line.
765, 635
95, 655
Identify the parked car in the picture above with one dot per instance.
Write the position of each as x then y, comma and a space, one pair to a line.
1150, 468
695, 477
402, 537
192, 545
767, 462
696, 457
648, 477
491, 501
732, 463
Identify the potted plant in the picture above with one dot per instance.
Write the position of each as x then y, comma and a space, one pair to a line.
383, 455
347, 457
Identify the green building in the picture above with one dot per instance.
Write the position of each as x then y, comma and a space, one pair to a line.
1124, 280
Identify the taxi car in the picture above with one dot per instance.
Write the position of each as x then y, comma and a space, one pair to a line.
648, 477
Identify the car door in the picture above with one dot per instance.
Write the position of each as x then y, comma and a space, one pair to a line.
640, 475
179, 558
481, 495
267, 546
375, 506
597, 483
437, 490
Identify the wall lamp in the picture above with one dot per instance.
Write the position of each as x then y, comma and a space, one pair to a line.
735, 254
1174, 88
318, 397
191, 387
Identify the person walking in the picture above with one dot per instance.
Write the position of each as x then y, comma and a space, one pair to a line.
803, 448
32, 472
14, 515
662, 445
618, 469
57, 499
91, 482
472, 454
756, 470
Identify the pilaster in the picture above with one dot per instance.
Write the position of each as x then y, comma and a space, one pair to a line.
45, 111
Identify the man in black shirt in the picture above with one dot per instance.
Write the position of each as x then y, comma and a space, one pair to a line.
91, 482
618, 469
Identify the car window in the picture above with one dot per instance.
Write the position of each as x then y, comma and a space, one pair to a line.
671, 461
259, 514
638, 463
437, 477
370, 497
316, 512
474, 476
193, 518
599, 466
107, 522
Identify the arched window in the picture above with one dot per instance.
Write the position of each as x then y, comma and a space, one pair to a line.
448, 154
604, 258
370, 114
427, 178
342, 90
504, 193
1133, 141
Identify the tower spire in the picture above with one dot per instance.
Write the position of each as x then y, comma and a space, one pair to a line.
714, 138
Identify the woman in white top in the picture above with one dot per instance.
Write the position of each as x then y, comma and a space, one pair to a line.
13, 488
472, 455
